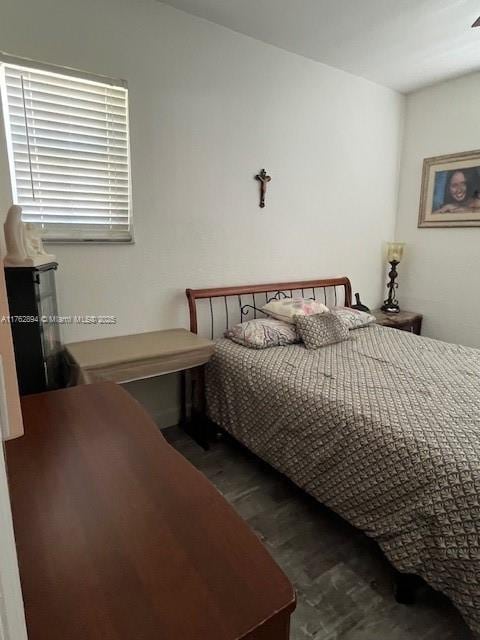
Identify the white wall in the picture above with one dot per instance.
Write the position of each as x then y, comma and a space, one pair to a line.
439, 275
160, 397
209, 108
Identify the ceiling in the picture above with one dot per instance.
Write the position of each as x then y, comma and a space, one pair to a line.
403, 44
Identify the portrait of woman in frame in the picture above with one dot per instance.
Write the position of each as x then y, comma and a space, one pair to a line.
450, 195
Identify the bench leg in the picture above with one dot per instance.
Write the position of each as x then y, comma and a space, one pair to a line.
197, 425
183, 398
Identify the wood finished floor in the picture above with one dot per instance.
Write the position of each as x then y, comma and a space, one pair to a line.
343, 582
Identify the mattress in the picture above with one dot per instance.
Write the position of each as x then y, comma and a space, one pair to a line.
383, 428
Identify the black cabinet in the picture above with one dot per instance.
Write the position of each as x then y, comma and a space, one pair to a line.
32, 301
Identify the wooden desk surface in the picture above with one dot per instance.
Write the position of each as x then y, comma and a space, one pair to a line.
120, 538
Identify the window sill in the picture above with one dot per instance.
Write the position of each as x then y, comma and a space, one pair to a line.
77, 241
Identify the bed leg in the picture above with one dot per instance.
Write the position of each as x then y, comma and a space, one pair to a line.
406, 585
199, 423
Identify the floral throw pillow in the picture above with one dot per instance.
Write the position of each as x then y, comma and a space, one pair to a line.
263, 333
321, 330
287, 308
353, 318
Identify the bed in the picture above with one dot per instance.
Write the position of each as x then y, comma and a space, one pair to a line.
383, 428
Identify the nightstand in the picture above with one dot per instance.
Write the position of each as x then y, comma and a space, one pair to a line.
403, 320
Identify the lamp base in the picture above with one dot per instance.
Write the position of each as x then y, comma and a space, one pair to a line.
390, 307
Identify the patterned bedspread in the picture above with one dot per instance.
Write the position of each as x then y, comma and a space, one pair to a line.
384, 429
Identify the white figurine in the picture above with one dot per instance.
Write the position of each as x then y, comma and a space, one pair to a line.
24, 244
34, 243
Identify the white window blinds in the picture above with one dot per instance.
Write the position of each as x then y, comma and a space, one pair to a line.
68, 146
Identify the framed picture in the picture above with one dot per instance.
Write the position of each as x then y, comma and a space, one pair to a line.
450, 194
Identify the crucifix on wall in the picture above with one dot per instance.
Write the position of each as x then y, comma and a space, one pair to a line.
263, 179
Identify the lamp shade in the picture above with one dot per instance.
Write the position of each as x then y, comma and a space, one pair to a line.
395, 251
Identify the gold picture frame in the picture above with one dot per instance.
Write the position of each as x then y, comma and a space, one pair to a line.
450, 195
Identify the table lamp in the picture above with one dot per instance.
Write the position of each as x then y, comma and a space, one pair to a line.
394, 257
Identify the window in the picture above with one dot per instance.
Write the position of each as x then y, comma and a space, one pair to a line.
68, 147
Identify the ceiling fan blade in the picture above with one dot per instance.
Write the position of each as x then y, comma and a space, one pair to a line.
476, 23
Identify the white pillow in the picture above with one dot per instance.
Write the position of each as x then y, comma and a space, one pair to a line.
287, 308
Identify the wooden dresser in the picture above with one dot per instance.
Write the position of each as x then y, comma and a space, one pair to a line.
120, 538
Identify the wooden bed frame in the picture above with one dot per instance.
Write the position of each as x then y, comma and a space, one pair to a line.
316, 289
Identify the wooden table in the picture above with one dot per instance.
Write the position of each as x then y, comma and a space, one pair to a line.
120, 538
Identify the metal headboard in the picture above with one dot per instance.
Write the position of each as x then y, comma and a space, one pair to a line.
230, 305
